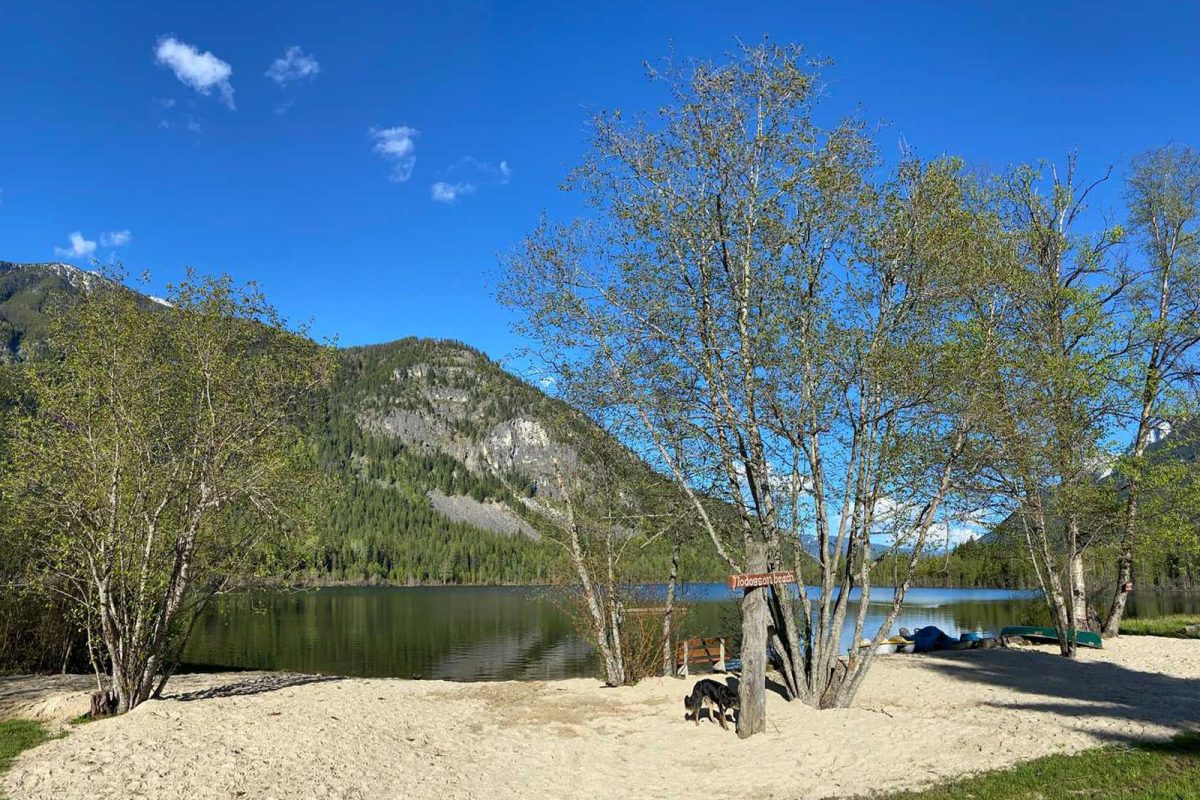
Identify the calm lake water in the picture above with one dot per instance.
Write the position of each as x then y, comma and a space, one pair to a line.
502, 633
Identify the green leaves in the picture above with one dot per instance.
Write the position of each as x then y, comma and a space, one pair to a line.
161, 456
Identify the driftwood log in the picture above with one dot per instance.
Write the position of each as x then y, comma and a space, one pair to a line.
1014, 641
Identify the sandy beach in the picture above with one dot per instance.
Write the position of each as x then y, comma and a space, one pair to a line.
918, 719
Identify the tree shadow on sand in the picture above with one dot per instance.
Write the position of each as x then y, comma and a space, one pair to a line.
1079, 688
259, 684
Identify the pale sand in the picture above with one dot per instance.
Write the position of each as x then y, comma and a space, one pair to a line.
918, 719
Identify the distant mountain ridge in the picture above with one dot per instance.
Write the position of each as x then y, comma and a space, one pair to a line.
442, 453
26, 293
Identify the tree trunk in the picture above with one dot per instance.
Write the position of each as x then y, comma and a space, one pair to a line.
833, 685
752, 715
1078, 584
1033, 520
1116, 612
786, 640
1112, 625
668, 653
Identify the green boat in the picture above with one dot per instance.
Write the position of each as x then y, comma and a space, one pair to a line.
1050, 635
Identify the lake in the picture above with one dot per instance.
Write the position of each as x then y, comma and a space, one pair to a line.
516, 633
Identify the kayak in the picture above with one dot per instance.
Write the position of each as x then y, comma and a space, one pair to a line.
889, 646
1048, 635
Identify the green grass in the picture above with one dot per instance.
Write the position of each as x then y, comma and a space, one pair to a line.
17, 735
1149, 771
1161, 626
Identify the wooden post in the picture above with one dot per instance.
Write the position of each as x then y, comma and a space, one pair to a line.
721, 662
752, 688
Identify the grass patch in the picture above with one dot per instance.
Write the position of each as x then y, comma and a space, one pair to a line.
17, 735
1160, 626
1149, 771
82, 719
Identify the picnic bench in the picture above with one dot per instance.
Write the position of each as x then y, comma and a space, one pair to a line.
699, 651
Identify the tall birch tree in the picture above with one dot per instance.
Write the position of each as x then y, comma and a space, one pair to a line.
1053, 382
795, 337
1162, 194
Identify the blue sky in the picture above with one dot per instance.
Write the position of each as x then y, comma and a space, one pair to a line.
171, 122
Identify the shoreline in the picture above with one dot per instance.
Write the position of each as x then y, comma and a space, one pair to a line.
918, 720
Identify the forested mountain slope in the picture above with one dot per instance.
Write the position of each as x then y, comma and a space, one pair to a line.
27, 292
435, 451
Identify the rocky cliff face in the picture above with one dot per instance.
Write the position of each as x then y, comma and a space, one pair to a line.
460, 403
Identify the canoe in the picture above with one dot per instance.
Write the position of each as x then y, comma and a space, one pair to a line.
1050, 636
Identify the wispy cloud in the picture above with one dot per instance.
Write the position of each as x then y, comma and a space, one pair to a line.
501, 173
468, 174
115, 238
293, 66
443, 192
80, 247
201, 71
399, 146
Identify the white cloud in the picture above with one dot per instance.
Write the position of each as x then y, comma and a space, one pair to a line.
115, 238
398, 145
467, 175
951, 535
80, 247
201, 71
295, 65
443, 192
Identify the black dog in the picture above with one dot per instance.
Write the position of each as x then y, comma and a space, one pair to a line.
714, 695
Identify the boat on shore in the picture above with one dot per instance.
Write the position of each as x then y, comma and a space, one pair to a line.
1048, 635
889, 646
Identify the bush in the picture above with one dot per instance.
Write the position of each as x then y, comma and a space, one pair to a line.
1173, 626
38, 634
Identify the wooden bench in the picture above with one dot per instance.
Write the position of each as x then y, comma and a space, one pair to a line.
699, 651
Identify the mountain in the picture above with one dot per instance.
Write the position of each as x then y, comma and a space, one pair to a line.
441, 454
27, 293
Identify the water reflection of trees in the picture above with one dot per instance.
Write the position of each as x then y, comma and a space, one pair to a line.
508, 634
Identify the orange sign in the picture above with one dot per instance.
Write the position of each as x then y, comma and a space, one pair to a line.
761, 579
